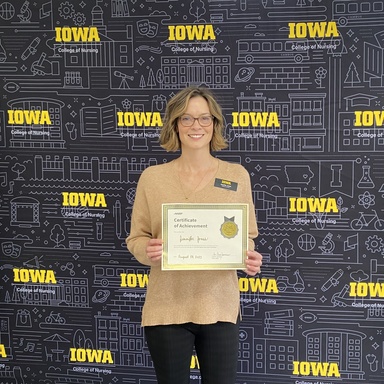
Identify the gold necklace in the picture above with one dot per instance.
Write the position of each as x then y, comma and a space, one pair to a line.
187, 196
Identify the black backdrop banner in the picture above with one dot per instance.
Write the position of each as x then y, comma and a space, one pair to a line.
83, 87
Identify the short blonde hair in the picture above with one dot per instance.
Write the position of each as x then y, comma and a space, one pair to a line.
176, 107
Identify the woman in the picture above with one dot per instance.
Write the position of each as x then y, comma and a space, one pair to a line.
186, 309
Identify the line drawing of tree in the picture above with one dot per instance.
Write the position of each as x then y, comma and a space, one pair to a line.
197, 9
160, 76
284, 249
19, 169
151, 82
80, 341
359, 276
321, 74
57, 235
142, 82
352, 76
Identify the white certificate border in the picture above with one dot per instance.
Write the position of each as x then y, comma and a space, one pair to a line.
242, 208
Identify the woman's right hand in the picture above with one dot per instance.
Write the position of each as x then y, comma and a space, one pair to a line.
155, 250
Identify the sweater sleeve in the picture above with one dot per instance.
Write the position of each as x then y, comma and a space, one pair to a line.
140, 232
252, 229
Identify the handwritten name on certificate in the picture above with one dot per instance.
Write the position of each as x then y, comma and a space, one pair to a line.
204, 236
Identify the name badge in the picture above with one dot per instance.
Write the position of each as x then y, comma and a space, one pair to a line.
226, 184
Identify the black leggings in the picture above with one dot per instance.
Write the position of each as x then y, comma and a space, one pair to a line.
216, 345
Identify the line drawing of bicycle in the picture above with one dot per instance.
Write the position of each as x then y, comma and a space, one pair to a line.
55, 318
365, 219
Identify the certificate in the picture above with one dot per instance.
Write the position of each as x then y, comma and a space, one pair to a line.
204, 236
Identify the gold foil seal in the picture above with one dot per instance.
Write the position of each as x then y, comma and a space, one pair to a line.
229, 228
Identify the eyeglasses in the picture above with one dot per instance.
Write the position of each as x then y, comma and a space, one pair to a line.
188, 121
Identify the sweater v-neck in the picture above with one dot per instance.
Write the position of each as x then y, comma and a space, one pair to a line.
200, 188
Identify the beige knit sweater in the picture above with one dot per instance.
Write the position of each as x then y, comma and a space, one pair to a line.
176, 297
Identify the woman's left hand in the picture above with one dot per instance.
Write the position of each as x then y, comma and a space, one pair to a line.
253, 263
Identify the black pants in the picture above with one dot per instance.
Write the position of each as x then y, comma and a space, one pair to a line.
216, 345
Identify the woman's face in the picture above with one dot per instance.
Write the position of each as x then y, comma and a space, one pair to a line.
195, 126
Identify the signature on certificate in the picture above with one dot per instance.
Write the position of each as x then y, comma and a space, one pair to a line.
189, 239
219, 255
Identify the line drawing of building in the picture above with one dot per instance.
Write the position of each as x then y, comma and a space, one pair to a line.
344, 347
37, 135
5, 337
273, 356
92, 168
352, 138
301, 124
211, 71
69, 291
124, 338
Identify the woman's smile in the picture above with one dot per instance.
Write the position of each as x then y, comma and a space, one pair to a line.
195, 134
